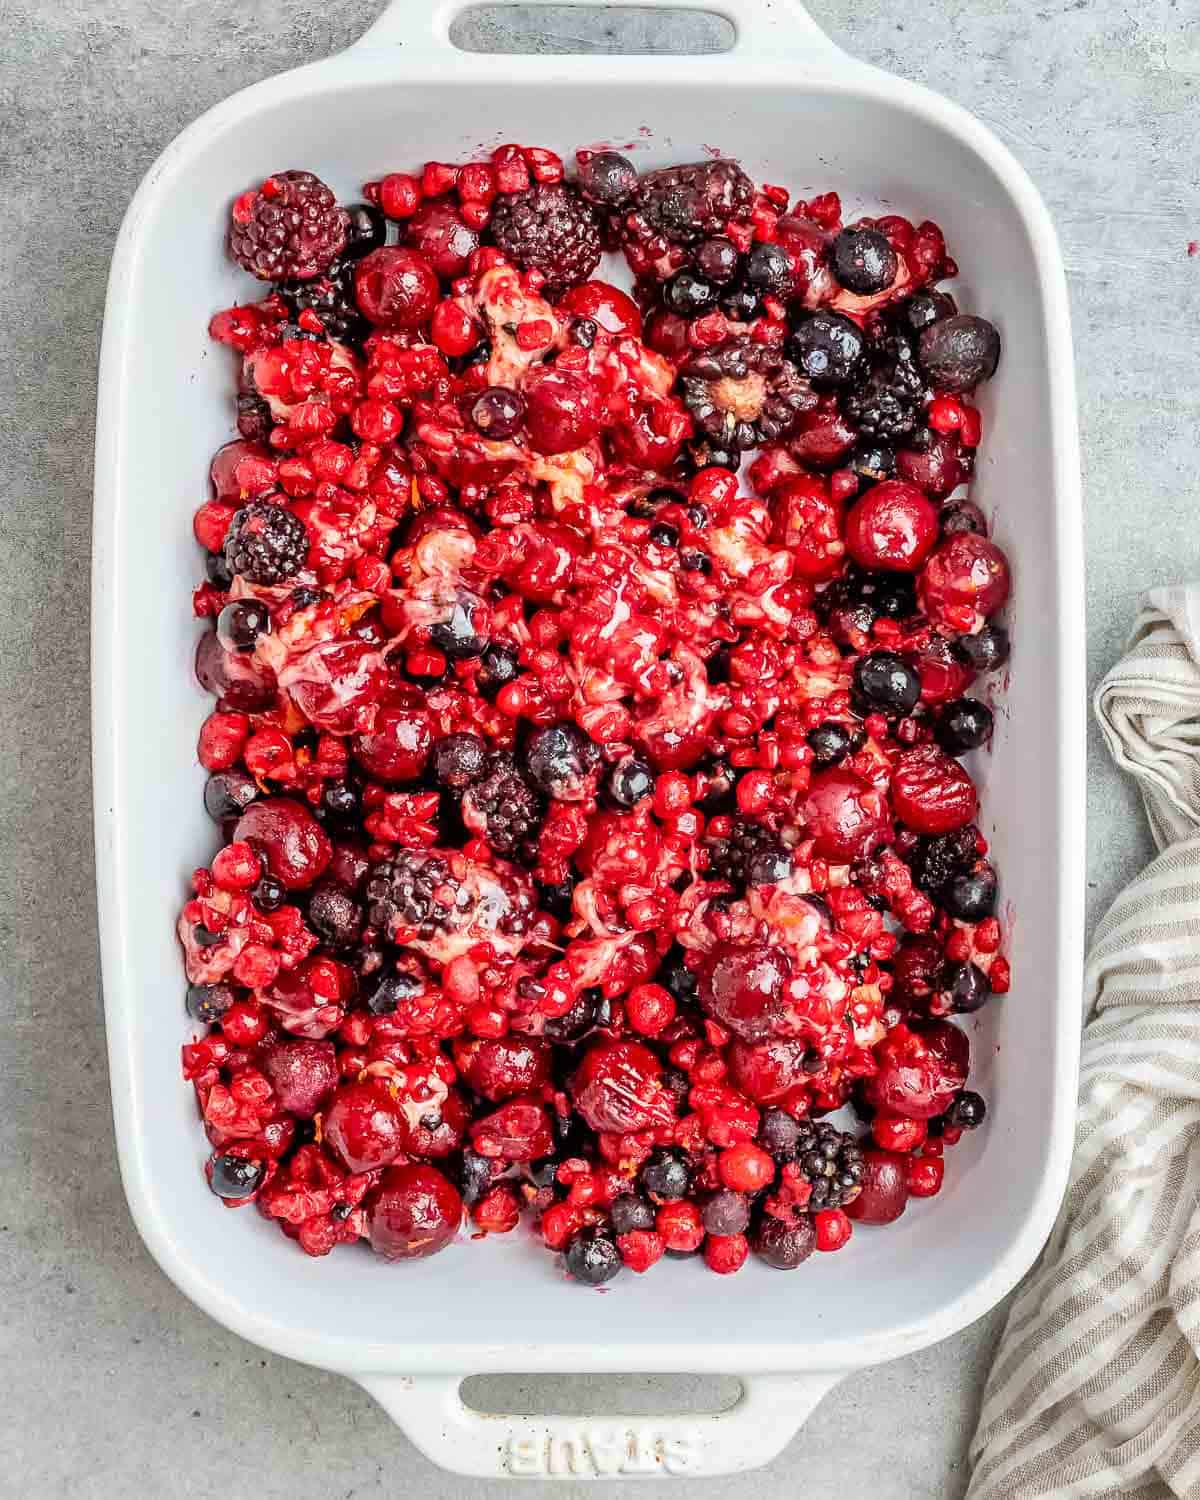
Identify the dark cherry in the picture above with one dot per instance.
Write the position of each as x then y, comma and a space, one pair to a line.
415, 1211
884, 1195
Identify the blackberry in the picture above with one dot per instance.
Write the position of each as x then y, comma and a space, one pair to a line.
751, 855
684, 203
941, 858
502, 809
291, 229
549, 228
743, 393
406, 891
831, 1161
331, 297
266, 543
888, 404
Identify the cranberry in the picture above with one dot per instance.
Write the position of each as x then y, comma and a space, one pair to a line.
398, 744
884, 1194
833, 1229
501, 1068
303, 1074
893, 527
434, 1130
725, 1253
606, 305
294, 845
920, 1072
563, 411
237, 679
743, 988
846, 817
440, 234
617, 1088
931, 792
395, 287
766, 1071
363, 1127
518, 1131
964, 582
413, 1212
746, 1168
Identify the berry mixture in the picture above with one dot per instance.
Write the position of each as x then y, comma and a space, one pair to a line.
592, 672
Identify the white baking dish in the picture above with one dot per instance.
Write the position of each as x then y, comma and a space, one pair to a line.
795, 110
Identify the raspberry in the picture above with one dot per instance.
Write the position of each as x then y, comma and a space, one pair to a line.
549, 228
290, 229
266, 543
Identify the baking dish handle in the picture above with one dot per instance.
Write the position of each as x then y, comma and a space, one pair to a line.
430, 1411
769, 29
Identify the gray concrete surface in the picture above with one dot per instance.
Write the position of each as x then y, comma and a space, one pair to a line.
115, 1385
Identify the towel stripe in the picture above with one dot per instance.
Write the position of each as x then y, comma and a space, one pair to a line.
1095, 1388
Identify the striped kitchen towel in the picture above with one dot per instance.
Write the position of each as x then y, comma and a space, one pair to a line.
1095, 1388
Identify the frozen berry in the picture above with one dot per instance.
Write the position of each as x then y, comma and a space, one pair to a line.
701, 198
463, 632
592, 1257
562, 411
884, 1194
559, 761
963, 725
970, 897
241, 623
784, 1244
397, 745
207, 1003
968, 987
631, 1212
665, 1177
234, 1178
863, 261
396, 287
968, 1111
893, 527
689, 295
303, 1074
498, 412
438, 232
334, 915
549, 228
607, 177
931, 793
828, 348
960, 352
885, 683
629, 781
415, 1211
847, 817
266, 543
458, 760
290, 229
294, 845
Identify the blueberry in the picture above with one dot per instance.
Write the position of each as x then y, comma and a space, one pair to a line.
725, 1212
629, 781
629, 1212
987, 649
207, 1003
717, 259
205, 938
769, 866
863, 261
963, 725
778, 1134
458, 760
592, 1257
664, 535
665, 1177
391, 990
227, 794
884, 683
498, 412
923, 308
340, 803
959, 353
675, 976
583, 331
578, 1020
969, 987
543, 1173
334, 915
458, 636
960, 516
233, 1177
828, 348
366, 232
556, 899
971, 896
689, 295
968, 1110
872, 460
497, 667
475, 1176
830, 742
269, 894
559, 759
741, 304
216, 570
769, 267
608, 177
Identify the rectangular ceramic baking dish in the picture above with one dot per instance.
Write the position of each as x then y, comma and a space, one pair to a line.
795, 110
